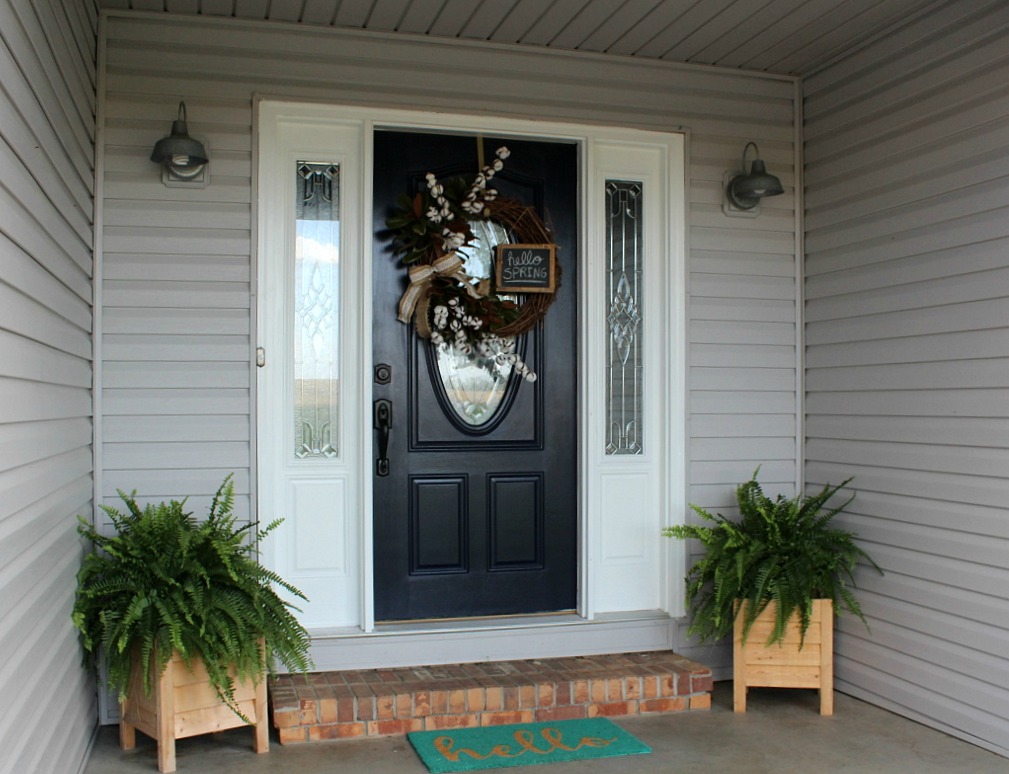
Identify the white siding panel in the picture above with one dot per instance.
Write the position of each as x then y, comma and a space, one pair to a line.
985, 559
27, 277
953, 487
752, 263
756, 310
157, 485
924, 604
47, 130
936, 347
177, 215
178, 261
959, 259
742, 401
742, 448
167, 322
23, 211
761, 379
25, 316
969, 697
907, 339
26, 359
967, 374
178, 349
720, 355
738, 288
166, 429
175, 375
194, 268
742, 332
184, 402
177, 295
962, 316
732, 426
65, 106
912, 402
955, 288
141, 455
958, 431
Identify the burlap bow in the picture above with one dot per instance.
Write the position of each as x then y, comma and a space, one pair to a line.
415, 300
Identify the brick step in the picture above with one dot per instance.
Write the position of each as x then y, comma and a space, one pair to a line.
381, 702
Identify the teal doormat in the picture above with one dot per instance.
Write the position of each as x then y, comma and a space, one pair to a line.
522, 744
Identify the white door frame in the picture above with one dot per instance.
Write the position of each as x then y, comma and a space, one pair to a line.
630, 580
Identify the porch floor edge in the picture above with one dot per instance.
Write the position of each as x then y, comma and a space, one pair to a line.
380, 702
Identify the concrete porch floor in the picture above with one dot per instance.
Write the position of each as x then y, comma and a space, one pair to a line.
781, 731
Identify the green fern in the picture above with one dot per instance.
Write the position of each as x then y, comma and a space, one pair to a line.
166, 582
782, 550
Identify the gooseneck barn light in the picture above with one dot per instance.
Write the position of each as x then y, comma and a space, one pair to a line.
182, 158
744, 191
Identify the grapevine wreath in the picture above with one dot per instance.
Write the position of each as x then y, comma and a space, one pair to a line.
446, 304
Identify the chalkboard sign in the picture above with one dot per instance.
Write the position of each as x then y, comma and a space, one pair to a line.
526, 268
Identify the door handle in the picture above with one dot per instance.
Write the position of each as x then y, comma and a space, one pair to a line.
383, 423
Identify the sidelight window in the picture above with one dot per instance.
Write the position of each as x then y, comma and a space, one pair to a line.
624, 285
316, 310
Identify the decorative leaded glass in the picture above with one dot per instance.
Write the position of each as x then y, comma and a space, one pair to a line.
316, 305
624, 361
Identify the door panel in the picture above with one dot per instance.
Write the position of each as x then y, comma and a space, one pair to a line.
476, 519
516, 518
438, 521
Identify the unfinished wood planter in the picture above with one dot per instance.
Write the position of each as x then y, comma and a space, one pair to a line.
784, 665
183, 703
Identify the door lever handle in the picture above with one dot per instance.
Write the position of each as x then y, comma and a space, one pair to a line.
383, 423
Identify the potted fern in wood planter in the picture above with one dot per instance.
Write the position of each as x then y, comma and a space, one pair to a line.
774, 578
187, 620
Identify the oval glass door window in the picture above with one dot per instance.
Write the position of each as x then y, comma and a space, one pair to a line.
476, 383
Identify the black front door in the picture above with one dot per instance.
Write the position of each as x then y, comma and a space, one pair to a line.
476, 510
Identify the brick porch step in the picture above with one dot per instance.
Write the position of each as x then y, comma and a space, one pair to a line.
339, 705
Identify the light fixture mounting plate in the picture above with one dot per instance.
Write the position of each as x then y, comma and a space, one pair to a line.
199, 180
728, 208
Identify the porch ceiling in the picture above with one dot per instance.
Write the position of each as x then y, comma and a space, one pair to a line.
789, 37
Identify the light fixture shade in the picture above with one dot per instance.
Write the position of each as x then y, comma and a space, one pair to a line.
181, 155
757, 184
179, 144
745, 191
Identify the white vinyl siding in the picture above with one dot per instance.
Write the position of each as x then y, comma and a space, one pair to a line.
47, 131
907, 333
177, 260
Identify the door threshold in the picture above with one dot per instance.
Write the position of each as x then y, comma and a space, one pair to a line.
511, 619
492, 639
478, 624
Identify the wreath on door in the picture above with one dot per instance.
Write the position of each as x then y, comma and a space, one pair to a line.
445, 303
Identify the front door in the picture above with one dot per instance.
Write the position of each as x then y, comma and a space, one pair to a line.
475, 500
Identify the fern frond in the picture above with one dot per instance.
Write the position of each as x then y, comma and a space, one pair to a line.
780, 550
166, 582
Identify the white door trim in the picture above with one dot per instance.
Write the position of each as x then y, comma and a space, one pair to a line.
604, 610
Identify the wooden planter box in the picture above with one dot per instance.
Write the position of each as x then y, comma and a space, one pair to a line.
784, 665
183, 703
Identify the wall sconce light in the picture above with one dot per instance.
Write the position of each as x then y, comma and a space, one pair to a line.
182, 158
743, 191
